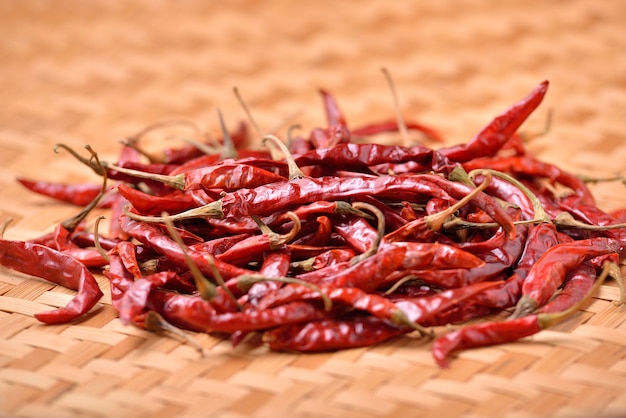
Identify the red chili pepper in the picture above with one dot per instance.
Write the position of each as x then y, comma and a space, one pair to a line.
337, 131
496, 134
270, 198
421, 310
319, 237
332, 334
120, 279
362, 156
56, 267
482, 334
548, 273
541, 237
353, 297
155, 205
325, 259
370, 273
77, 194
576, 286
128, 255
223, 176
153, 237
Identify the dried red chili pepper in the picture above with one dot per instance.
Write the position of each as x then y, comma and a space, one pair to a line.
548, 273
77, 194
279, 196
56, 267
224, 176
152, 205
332, 334
496, 134
491, 333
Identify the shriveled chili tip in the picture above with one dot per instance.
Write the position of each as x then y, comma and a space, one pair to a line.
56, 267
495, 135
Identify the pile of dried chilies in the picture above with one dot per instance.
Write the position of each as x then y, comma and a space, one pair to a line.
331, 241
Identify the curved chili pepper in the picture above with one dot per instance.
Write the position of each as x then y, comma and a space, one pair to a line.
321, 236
541, 237
496, 134
56, 267
482, 334
153, 237
548, 273
576, 286
128, 255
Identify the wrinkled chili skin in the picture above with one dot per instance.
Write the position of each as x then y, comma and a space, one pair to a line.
541, 237
267, 199
229, 177
548, 273
146, 204
332, 334
56, 267
152, 236
370, 273
484, 334
576, 286
362, 156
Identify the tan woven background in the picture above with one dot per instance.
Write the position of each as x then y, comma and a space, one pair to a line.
95, 72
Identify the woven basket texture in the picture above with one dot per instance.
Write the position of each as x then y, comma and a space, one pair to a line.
96, 72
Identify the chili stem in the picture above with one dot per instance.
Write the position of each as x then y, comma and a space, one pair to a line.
436, 221
156, 323
211, 210
396, 105
228, 150
294, 170
205, 287
539, 213
96, 239
278, 240
72, 223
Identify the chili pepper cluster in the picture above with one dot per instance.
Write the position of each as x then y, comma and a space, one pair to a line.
332, 241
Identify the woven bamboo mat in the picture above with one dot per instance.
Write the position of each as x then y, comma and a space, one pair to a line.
96, 72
